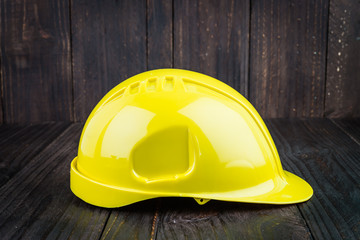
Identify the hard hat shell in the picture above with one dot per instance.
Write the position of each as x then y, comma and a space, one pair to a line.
172, 132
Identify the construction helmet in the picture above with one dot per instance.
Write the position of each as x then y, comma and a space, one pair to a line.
179, 133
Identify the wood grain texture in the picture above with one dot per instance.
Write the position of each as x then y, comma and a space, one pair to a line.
109, 46
212, 37
288, 57
108, 41
8, 129
132, 222
182, 218
328, 159
79, 221
1, 84
1, 95
18, 145
37, 202
159, 34
36, 61
350, 126
343, 60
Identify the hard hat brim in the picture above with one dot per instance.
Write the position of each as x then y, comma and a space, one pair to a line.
100, 194
294, 190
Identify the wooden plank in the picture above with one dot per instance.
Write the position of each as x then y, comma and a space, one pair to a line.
135, 221
182, 218
36, 61
350, 126
287, 57
1, 85
37, 202
1, 96
343, 65
159, 34
18, 145
212, 37
79, 221
328, 159
8, 129
109, 45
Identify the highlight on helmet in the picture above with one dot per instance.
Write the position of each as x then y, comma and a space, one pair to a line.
178, 133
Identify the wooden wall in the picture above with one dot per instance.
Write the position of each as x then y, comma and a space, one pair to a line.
289, 58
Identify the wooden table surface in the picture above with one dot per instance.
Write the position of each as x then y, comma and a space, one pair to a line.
36, 201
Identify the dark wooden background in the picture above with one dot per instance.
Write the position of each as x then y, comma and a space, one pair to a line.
289, 58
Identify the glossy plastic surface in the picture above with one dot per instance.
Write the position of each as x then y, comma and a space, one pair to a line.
174, 132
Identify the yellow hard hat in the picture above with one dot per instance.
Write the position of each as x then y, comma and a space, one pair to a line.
178, 133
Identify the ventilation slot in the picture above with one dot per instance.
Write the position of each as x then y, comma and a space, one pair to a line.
151, 84
169, 83
134, 88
